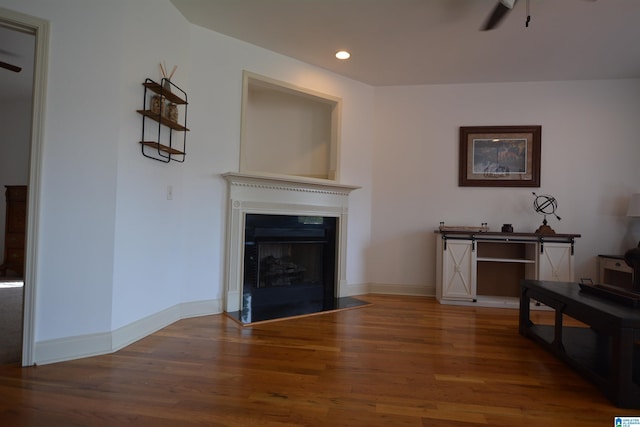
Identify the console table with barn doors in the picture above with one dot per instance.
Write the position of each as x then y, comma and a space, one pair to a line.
485, 268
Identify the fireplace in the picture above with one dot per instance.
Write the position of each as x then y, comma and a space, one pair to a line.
289, 259
286, 243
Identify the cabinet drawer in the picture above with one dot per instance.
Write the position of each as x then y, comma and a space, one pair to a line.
615, 264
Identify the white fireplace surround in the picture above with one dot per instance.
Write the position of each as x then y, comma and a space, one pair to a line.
277, 195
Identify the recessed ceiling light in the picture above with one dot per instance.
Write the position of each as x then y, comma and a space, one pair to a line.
343, 54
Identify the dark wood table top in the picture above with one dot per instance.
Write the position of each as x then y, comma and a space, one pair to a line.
581, 305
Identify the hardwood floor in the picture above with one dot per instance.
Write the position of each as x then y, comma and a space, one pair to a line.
403, 361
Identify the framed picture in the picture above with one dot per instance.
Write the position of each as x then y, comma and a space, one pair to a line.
499, 156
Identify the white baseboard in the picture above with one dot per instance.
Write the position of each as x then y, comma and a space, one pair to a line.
396, 289
356, 289
62, 349
132, 332
200, 308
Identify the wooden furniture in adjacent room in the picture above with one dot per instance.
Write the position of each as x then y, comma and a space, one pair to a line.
485, 268
15, 228
604, 349
615, 271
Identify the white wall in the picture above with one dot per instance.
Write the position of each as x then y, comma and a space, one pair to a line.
75, 257
590, 152
116, 257
149, 247
215, 105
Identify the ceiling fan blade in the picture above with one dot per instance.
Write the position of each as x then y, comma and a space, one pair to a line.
499, 12
10, 67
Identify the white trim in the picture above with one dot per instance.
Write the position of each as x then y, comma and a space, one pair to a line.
288, 182
70, 348
41, 29
144, 327
200, 308
396, 289
355, 289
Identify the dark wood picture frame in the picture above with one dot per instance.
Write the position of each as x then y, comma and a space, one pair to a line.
500, 156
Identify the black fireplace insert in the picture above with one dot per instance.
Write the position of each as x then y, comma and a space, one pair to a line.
289, 262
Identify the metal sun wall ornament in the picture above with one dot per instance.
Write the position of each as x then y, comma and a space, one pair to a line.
544, 205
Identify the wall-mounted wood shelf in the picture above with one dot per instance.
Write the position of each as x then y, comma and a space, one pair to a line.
160, 90
163, 148
163, 120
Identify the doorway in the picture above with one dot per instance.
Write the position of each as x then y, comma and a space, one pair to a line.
17, 49
23, 64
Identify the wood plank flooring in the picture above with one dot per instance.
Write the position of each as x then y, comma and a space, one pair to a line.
403, 361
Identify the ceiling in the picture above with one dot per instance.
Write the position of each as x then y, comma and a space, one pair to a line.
408, 42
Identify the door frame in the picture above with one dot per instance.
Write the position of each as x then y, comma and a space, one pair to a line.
40, 28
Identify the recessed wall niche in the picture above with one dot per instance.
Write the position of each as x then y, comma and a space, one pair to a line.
288, 130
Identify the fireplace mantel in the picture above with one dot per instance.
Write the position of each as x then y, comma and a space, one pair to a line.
293, 183
280, 195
